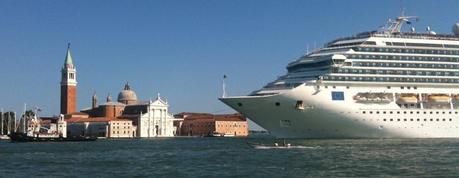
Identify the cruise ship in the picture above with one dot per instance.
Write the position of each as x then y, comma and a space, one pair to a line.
388, 83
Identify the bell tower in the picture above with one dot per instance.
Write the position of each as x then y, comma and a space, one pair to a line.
68, 85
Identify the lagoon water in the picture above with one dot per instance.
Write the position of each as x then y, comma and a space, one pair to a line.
232, 157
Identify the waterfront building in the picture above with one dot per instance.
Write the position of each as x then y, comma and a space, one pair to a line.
204, 124
101, 127
124, 118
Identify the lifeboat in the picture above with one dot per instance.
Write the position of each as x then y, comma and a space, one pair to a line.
373, 97
408, 99
439, 98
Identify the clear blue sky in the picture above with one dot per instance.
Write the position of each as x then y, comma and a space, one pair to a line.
178, 48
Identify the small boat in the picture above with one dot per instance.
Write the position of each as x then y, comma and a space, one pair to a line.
22, 137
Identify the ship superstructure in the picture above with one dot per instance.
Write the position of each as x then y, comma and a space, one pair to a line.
378, 84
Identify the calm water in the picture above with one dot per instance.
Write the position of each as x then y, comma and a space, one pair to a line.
232, 157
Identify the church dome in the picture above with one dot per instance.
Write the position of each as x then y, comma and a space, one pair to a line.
127, 96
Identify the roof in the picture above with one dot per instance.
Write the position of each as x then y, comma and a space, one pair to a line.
68, 58
111, 103
94, 119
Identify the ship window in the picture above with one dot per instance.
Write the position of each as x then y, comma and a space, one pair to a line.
398, 112
363, 112
277, 104
388, 87
431, 119
417, 119
384, 119
431, 112
401, 87
326, 86
384, 112
411, 119
438, 112
438, 119
417, 112
391, 119
450, 119
404, 112
443, 112
398, 119
377, 112
411, 112
444, 119
408, 88
404, 119
239, 104
371, 112
425, 119
391, 112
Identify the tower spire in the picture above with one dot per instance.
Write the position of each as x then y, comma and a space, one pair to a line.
68, 58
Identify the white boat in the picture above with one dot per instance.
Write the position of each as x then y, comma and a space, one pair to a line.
388, 61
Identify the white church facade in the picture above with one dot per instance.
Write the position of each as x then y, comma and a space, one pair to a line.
152, 118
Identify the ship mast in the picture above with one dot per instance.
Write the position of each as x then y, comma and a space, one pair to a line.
395, 26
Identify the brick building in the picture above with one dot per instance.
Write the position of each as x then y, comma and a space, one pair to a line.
204, 124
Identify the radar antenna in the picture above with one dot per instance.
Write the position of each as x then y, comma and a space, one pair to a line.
395, 26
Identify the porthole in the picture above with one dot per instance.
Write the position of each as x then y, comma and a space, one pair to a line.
444, 119
391, 112
411, 119
377, 112
384, 112
277, 104
384, 120
371, 112
411, 112
450, 119
398, 119
438, 112
363, 112
404, 119
417, 112
239, 104
438, 119
443, 112
391, 119
431, 119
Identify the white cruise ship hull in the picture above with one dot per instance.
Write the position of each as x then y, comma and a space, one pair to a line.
322, 117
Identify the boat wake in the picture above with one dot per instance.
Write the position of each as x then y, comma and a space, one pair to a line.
265, 147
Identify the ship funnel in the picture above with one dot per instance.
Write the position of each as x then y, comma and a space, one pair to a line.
456, 29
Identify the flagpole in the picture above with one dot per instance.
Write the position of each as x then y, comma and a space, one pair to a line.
1, 124
224, 86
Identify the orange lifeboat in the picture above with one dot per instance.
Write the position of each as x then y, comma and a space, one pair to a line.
408, 99
439, 98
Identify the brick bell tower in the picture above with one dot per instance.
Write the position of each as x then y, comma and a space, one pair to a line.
68, 85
